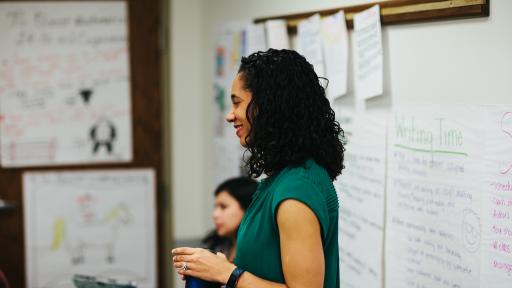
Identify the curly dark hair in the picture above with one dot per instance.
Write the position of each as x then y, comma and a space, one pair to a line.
290, 116
241, 188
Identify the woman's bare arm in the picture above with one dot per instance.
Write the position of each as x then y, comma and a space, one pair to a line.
301, 254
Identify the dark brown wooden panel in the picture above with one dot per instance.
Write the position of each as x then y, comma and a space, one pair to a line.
146, 99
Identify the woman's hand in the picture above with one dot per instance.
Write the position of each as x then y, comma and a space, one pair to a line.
203, 264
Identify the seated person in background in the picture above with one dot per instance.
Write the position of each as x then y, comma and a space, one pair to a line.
232, 197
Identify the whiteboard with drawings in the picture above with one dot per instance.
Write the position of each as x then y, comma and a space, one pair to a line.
64, 83
98, 223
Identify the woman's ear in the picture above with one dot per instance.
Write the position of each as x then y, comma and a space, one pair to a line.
252, 111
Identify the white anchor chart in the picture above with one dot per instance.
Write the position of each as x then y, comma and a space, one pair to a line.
506, 128
99, 223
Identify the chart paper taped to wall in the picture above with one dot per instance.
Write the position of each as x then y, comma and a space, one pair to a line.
98, 223
231, 44
361, 194
309, 43
255, 38
335, 47
434, 198
367, 51
277, 34
496, 265
64, 83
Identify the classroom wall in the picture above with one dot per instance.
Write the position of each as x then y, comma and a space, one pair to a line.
447, 62
187, 138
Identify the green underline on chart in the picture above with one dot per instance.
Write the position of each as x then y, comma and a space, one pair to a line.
431, 151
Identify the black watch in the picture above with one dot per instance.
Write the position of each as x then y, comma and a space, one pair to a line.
233, 278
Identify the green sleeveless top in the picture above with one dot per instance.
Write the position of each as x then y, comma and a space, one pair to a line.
258, 248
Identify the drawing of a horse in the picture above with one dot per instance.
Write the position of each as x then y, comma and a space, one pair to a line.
80, 238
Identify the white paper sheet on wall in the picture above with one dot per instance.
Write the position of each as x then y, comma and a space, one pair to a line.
99, 223
309, 43
277, 34
367, 53
361, 194
255, 38
434, 198
496, 265
64, 83
335, 47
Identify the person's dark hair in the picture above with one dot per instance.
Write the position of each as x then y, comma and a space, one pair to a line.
240, 188
290, 116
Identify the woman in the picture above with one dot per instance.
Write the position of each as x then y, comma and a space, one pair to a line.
289, 234
232, 197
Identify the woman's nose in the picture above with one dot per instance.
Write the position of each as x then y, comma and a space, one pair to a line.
230, 117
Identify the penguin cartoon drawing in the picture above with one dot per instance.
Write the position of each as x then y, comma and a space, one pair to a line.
103, 134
